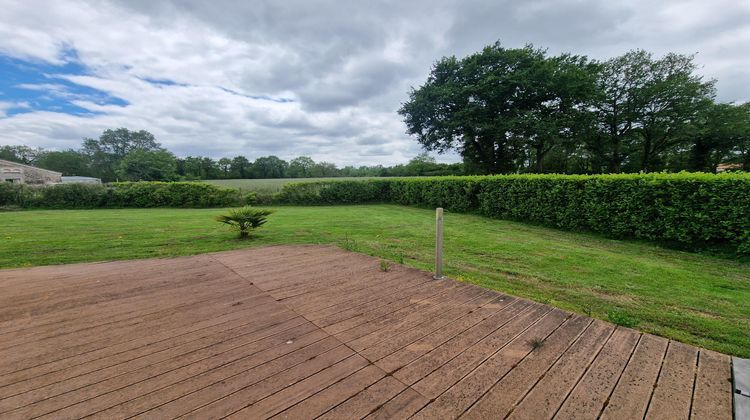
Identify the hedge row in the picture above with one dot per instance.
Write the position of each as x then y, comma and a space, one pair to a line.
693, 209
118, 195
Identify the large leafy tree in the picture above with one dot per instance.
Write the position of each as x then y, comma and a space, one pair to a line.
106, 152
740, 132
69, 162
497, 105
715, 136
562, 114
240, 167
672, 99
148, 165
269, 167
324, 169
21, 154
301, 167
210, 168
190, 167
199, 167
420, 165
619, 109
225, 166
647, 108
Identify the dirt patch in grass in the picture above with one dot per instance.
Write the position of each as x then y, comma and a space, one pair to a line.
613, 297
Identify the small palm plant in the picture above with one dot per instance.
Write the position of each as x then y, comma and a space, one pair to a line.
244, 219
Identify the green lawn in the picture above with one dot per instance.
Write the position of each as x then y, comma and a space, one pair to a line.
273, 185
694, 298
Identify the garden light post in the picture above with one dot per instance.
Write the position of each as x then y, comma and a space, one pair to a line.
438, 244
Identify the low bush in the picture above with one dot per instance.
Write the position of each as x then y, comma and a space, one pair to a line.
334, 192
696, 210
171, 194
12, 195
71, 196
260, 198
119, 195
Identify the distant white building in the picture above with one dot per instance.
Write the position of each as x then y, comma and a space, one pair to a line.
24, 174
80, 180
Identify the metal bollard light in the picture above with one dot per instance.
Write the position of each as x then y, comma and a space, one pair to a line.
438, 244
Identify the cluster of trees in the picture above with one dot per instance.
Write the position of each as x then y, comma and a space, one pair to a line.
520, 110
118, 154
127, 155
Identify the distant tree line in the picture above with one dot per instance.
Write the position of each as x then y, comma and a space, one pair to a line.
509, 110
126, 155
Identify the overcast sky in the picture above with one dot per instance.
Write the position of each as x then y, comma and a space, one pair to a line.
317, 78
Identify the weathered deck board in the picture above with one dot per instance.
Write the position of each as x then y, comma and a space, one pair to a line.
589, 396
546, 395
311, 331
674, 389
711, 392
633, 392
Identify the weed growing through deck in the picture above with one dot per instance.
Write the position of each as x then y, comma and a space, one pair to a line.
385, 266
536, 343
622, 318
348, 244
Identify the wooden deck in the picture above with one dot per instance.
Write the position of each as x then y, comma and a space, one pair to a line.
305, 331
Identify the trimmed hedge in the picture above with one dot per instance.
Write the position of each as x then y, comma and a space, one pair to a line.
172, 194
693, 209
69, 196
334, 192
119, 195
14, 195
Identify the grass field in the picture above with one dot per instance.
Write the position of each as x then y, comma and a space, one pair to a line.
694, 298
267, 185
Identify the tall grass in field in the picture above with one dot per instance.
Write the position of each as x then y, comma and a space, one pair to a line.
270, 186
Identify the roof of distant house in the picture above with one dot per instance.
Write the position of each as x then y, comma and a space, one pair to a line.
3, 161
79, 179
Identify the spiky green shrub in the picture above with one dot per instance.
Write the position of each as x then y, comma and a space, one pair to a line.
244, 219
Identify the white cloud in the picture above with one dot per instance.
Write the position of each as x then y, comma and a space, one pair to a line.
347, 66
6, 106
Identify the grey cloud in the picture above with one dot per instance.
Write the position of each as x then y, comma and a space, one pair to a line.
560, 25
375, 151
368, 141
338, 90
